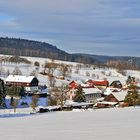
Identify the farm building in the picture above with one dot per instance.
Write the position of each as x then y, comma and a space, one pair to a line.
30, 83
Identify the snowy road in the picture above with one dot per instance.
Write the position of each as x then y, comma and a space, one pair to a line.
103, 124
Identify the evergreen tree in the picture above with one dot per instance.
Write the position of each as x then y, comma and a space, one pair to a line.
13, 91
21, 91
130, 80
2, 94
79, 97
132, 97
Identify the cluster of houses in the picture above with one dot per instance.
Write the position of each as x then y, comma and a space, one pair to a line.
99, 93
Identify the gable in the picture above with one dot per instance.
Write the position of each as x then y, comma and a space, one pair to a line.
111, 98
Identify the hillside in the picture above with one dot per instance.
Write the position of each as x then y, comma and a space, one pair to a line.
102, 59
79, 72
24, 47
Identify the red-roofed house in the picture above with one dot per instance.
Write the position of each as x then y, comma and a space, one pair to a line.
100, 83
73, 85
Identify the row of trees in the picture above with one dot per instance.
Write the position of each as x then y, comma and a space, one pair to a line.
122, 65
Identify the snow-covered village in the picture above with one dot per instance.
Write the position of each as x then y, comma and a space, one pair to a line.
48, 91
50, 85
69, 69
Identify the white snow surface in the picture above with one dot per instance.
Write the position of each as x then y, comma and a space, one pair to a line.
101, 124
19, 78
120, 96
91, 91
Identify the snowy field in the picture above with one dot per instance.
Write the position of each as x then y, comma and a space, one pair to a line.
95, 73
101, 124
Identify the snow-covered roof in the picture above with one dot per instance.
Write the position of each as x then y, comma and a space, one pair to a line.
19, 78
72, 103
107, 103
111, 90
85, 85
91, 90
120, 96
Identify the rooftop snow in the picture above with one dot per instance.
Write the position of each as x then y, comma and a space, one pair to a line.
91, 90
19, 78
120, 96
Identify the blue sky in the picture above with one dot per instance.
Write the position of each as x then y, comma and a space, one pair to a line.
105, 27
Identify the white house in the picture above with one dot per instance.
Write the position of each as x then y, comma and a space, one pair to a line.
92, 94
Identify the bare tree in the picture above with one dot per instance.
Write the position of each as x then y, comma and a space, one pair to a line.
87, 73
76, 71
65, 70
8, 72
33, 73
58, 95
17, 71
34, 102
2, 71
93, 75
50, 67
52, 81
14, 103
36, 63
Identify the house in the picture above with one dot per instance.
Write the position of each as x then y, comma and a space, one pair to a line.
92, 94
99, 83
116, 84
73, 85
71, 94
30, 83
116, 96
112, 99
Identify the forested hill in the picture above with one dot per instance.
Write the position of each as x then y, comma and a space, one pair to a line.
24, 47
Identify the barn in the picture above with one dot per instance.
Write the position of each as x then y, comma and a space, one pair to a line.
30, 83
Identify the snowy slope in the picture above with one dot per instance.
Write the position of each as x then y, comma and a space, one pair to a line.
94, 72
102, 124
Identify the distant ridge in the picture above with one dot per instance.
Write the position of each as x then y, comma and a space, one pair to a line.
24, 47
